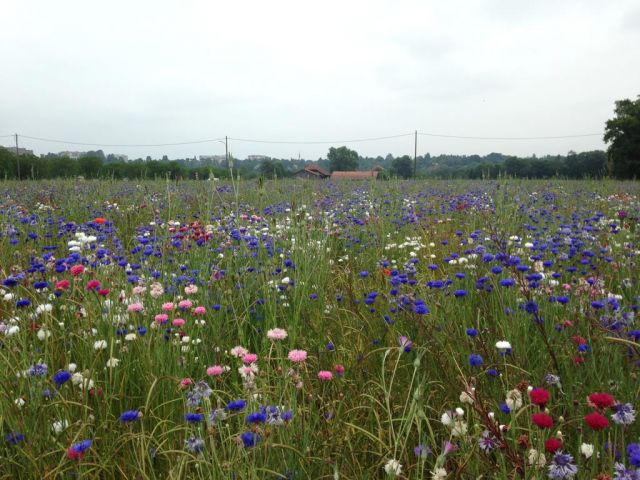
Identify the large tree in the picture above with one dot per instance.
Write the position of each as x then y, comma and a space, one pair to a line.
623, 134
402, 166
342, 159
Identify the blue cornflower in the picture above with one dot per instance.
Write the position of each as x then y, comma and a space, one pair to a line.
475, 360
61, 376
492, 372
504, 408
22, 303
507, 282
460, 293
421, 309
633, 454
531, 307
597, 305
249, 439
472, 332
364, 274
236, 405
257, 417
330, 346
129, 416
193, 417
82, 446
14, 438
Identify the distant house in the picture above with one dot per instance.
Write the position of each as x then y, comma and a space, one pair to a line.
311, 171
367, 175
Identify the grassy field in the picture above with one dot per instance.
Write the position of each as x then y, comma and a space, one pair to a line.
296, 330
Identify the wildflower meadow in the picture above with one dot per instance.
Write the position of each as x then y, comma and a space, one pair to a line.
308, 329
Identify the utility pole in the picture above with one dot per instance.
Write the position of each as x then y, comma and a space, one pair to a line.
415, 153
226, 150
17, 156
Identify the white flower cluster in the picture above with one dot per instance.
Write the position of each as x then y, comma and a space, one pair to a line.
82, 241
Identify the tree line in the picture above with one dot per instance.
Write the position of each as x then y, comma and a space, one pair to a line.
622, 160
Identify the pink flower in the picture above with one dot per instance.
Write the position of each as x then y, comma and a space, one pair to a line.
186, 383
92, 284
161, 318
189, 289
76, 270
325, 375
178, 322
167, 307
276, 334
139, 290
239, 351
185, 304
62, 285
199, 311
215, 370
248, 371
249, 358
297, 356
135, 307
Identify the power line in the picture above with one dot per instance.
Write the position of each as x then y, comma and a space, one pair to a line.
301, 142
51, 140
320, 142
510, 138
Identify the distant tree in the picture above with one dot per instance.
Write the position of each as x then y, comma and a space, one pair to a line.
89, 167
342, 159
623, 134
402, 166
272, 169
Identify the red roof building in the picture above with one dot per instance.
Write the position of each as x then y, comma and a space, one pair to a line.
311, 171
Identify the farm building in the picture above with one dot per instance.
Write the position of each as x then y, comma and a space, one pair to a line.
311, 171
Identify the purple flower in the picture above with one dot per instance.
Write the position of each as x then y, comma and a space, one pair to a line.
562, 466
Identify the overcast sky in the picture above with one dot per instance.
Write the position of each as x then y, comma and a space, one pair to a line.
152, 71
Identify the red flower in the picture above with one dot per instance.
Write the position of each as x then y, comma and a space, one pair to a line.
99, 220
600, 400
579, 340
596, 421
578, 360
103, 292
92, 284
76, 270
62, 285
542, 420
73, 455
539, 396
552, 445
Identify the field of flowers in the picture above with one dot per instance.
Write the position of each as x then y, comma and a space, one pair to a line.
295, 330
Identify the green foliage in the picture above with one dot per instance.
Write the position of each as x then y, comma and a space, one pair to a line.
272, 169
342, 159
402, 167
623, 134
